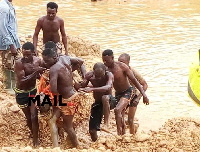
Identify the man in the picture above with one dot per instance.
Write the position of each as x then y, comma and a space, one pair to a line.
125, 58
51, 24
27, 69
101, 81
9, 42
124, 91
61, 82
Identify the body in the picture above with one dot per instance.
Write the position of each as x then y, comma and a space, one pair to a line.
27, 70
124, 91
51, 25
9, 42
61, 83
125, 58
102, 82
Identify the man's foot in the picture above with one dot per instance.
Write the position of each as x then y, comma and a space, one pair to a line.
136, 126
36, 144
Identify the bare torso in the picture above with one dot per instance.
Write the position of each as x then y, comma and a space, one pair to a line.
121, 82
28, 69
64, 79
50, 29
98, 83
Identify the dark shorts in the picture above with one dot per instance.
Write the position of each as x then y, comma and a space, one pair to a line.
129, 94
96, 116
23, 98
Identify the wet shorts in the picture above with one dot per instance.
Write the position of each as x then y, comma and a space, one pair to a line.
133, 102
96, 115
129, 94
23, 97
72, 105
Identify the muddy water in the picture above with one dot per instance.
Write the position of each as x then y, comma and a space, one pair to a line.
162, 36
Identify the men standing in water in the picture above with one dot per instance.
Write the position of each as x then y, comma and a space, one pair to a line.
124, 91
61, 82
51, 24
125, 58
27, 69
9, 43
102, 81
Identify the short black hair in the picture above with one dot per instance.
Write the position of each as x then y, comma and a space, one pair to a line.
50, 52
125, 55
28, 46
107, 52
50, 44
52, 5
99, 65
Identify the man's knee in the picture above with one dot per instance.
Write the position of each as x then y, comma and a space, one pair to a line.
105, 99
117, 111
130, 121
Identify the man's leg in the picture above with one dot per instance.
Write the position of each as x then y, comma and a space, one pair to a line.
131, 115
106, 108
53, 126
35, 124
122, 104
123, 122
27, 114
68, 126
95, 119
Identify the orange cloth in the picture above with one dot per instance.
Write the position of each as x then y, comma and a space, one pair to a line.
44, 87
72, 105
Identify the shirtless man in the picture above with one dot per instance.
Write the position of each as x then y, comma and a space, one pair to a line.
51, 24
61, 82
101, 81
125, 58
124, 91
27, 69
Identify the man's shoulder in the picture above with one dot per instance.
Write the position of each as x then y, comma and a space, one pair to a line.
41, 19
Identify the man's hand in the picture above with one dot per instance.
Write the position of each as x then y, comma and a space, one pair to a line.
88, 89
40, 69
146, 100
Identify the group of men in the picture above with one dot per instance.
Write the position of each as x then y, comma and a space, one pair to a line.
59, 81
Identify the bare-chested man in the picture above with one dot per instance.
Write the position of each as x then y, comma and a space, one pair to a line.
125, 58
27, 69
101, 81
51, 24
61, 82
124, 91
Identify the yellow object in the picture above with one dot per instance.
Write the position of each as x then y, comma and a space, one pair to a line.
194, 80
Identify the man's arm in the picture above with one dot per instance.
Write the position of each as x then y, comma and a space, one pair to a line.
36, 33
64, 36
20, 73
141, 81
108, 85
105, 88
131, 76
77, 64
53, 80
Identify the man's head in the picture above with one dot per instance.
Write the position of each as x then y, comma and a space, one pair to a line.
50, 45
49, 56
51, 10
125, 58
108, 58
28, 52
99, 70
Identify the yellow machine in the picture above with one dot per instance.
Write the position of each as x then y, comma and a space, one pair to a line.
194, 80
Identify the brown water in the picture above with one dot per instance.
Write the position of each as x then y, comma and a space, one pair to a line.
162, 36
